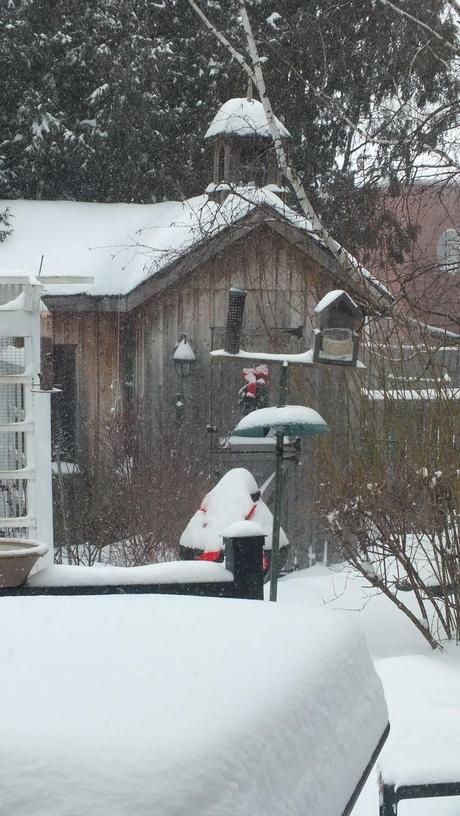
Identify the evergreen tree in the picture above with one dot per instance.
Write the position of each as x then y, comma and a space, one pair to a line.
108, 100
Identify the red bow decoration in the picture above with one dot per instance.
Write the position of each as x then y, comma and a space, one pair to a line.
252, 376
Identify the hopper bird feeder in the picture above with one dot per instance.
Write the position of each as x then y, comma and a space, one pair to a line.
336, 341
237, 299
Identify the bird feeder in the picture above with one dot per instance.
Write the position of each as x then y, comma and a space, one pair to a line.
285, 420
46, 349
336, 341
183, 357
235, 319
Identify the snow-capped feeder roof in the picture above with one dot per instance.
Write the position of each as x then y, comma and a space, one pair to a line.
232, 499
243, 529
292, 420
243, 117
337, 296
183, 350
151, 704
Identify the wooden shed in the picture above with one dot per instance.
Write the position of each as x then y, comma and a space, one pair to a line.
164, 270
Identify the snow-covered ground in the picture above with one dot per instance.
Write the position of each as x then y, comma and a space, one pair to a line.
422, 687
139, 704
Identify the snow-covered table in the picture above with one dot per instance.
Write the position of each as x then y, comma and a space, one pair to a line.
422, 757
140, 705
418, 772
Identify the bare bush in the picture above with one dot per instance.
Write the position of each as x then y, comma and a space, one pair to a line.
392, 508
124, 504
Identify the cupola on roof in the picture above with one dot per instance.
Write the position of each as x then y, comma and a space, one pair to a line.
243, 117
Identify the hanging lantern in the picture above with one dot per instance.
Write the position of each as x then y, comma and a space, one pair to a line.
184, 357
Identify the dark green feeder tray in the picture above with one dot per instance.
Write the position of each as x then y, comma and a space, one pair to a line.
290, 420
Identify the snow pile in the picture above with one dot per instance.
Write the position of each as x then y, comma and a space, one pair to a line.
243, 117
233, 499
140, 705
172, 572
422, 687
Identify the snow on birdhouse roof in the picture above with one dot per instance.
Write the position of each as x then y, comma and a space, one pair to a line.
333, 296
164, 705
243, 117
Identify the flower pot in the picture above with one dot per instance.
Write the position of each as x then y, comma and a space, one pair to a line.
17, 557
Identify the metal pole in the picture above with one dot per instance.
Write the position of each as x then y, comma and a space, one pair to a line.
274, 561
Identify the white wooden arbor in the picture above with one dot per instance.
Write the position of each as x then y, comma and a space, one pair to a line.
25, 419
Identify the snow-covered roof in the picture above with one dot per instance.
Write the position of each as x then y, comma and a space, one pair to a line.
243, 117
331, 297
120, 246
164, 705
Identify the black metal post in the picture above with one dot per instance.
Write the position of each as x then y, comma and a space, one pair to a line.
274, 558
244, 557
388, 803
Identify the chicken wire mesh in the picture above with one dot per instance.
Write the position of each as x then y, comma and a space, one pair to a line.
11, 355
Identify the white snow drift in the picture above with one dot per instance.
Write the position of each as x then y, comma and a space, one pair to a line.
170, 706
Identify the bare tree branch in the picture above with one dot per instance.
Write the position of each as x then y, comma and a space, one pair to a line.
423, 25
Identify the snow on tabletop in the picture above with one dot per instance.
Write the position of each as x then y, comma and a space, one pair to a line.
243, 117
195, 572
425, 713
330, 297
169, 706
243, 529
230, 500
281, 417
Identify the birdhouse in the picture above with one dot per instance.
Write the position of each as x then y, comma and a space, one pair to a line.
336, 340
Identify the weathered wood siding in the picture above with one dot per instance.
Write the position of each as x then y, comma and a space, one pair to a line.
283, 286
95, 337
